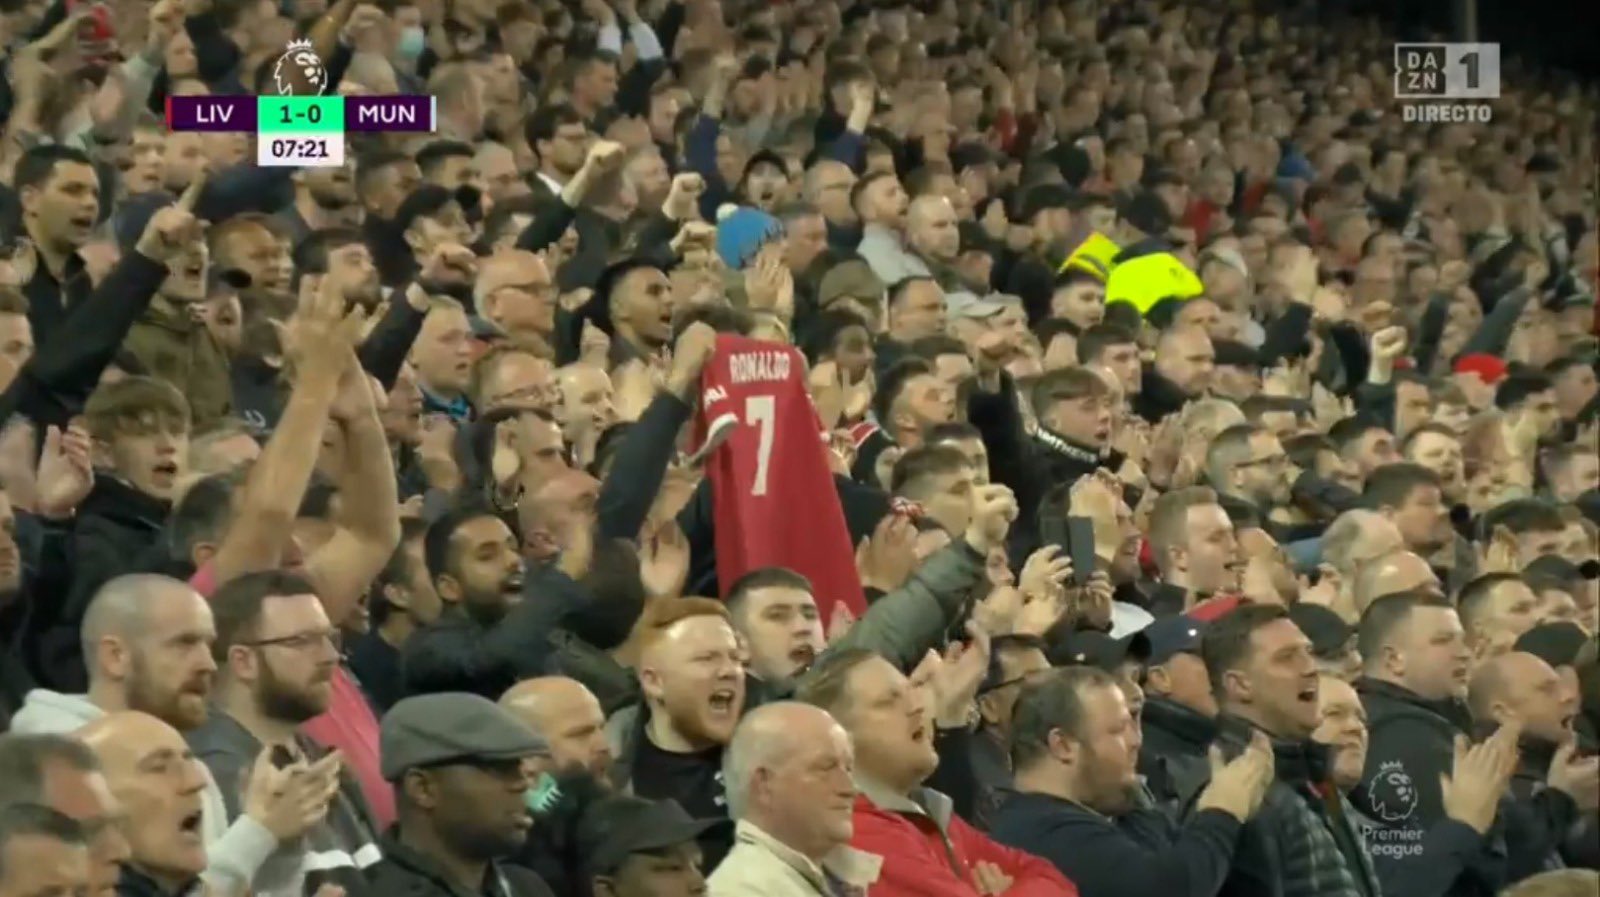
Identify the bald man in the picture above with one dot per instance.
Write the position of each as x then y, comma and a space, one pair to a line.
1393, 573
1552, 785
154, 775
1349, 543
931, 230
514, 291
588, 400
788, 773
147, 644
568, 717
1185, 361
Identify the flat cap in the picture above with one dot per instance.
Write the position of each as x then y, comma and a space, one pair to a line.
451, 727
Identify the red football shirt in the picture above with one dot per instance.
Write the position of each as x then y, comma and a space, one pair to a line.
773, 494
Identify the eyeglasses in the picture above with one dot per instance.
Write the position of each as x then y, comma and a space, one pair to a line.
300, 641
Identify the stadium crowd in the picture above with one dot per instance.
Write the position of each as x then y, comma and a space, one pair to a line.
906, 448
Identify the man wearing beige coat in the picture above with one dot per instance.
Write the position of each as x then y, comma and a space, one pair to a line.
790, 789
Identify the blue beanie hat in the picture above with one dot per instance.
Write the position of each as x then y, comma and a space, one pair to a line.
742, 232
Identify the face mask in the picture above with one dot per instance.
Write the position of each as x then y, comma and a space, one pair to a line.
411, 43
543, 795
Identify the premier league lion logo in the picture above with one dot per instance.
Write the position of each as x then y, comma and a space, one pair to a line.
1393, 794
299, 72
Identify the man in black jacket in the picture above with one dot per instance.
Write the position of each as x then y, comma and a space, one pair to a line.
1075, 748
460, 796
1304, 841
140, 428
1552, 786
1416, 666
1179, 712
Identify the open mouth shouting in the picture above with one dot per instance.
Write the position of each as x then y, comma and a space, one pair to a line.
724, 702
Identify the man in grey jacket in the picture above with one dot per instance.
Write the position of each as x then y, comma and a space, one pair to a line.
147, 641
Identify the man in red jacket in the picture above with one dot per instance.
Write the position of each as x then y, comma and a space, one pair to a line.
927, 850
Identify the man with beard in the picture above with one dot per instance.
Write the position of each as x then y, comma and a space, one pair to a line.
881, 202
148, 642
633, 304
1302, 842
456, 761
1552, 785
323, 198
566, 714
1185, 361
1076, 748
340, 252
278, 654
691, 673
1470, 795
476, 565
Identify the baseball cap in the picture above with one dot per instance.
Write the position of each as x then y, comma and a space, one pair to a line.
742, 232
1556, 643
1171, 636
1235, 354
1147, 212
598, 308
972, 153
1043, 198
1490, 370
1328, 632
1088, 648
975, 239
451, 727
658, 826
426, 201
850, 279
971, 306
134, 215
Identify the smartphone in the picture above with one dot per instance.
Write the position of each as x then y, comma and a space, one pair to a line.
1080, 547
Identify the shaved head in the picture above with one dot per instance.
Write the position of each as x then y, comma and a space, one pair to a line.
1517, 685
123, 607
567, 716
1397, 571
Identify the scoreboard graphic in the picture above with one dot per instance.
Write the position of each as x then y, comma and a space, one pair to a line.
300, 131
301, 128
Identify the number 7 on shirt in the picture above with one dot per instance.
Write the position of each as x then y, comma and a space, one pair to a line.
761, 412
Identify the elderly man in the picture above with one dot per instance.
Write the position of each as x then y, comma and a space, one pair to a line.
63, 774
788, 773
42, 852
156, 778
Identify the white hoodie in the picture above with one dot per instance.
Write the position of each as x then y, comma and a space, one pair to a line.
234, 854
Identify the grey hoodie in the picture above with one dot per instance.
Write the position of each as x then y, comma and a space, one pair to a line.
235, 855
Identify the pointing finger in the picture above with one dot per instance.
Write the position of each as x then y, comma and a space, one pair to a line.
191, 195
